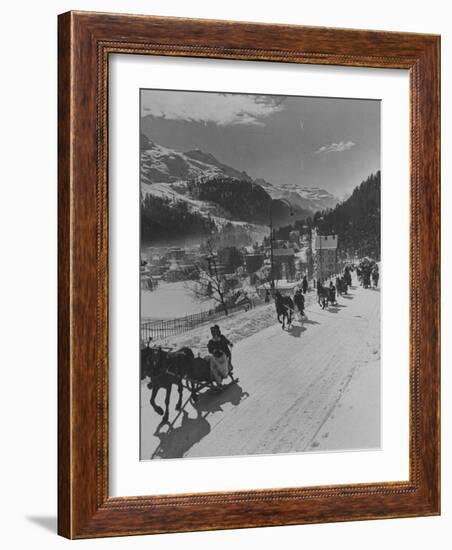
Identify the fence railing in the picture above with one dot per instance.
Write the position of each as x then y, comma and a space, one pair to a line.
159, 329
169, 327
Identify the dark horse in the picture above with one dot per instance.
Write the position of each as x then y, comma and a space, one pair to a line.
325, 296
165, 368
342, 285
322, 295
347, 276
285, 308
375, 276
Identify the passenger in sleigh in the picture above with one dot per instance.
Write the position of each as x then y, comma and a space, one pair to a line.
219, 348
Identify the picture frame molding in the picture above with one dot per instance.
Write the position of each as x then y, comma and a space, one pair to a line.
85, 42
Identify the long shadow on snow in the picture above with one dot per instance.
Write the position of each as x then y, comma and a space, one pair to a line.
212, 401
336, 308
175, 442
310, 322
296, 330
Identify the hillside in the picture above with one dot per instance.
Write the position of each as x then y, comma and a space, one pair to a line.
164, 221
356, 220
243, 200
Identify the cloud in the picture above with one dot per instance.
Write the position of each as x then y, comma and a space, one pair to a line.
335, 147
221, 109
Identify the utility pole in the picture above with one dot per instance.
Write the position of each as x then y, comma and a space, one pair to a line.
270, 214
272, 272
320, 259
320, 254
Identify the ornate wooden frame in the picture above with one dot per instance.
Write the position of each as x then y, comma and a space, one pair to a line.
85, 42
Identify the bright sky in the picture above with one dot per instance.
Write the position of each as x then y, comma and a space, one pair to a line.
311, 142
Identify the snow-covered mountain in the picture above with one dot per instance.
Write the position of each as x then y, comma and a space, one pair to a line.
196, 185
163, 165
308, 198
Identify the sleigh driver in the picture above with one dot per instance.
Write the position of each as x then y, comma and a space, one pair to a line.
219, 349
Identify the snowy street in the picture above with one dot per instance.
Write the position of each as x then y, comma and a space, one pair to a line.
315, 387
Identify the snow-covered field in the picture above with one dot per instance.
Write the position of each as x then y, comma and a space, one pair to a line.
171, 300
237, 326
313, 388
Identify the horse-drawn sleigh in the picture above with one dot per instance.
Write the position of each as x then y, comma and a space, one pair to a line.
368, 273
326, 295
166, 367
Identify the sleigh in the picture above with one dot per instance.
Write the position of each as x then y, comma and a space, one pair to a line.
202, 379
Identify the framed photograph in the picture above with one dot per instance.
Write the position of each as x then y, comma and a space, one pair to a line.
248, 275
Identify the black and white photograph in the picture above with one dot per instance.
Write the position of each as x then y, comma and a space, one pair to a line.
260, 274
222, 307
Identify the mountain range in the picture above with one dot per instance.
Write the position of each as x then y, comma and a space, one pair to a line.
308, 198
219, 192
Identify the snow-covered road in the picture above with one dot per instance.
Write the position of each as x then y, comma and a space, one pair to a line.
316, 387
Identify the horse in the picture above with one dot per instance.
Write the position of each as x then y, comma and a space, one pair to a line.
365, 278
345, 285
366, 267
323, 296
299, 302
326, 296
285, 307
341, 285
164, 369
359, 275
347, 277
375, 277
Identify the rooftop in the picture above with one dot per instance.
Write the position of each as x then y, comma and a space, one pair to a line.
283, 252
326, 242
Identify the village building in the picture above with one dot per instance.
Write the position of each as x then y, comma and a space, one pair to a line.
175, 253
284, 264
286, 288
325, 255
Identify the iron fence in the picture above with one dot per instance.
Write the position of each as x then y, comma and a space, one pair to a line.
169, 327
160, 329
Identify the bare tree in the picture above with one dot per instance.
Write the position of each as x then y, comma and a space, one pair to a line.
211, 281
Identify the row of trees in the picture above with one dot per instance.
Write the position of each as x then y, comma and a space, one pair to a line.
357, 220
242, 199
163, 220
166, 220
